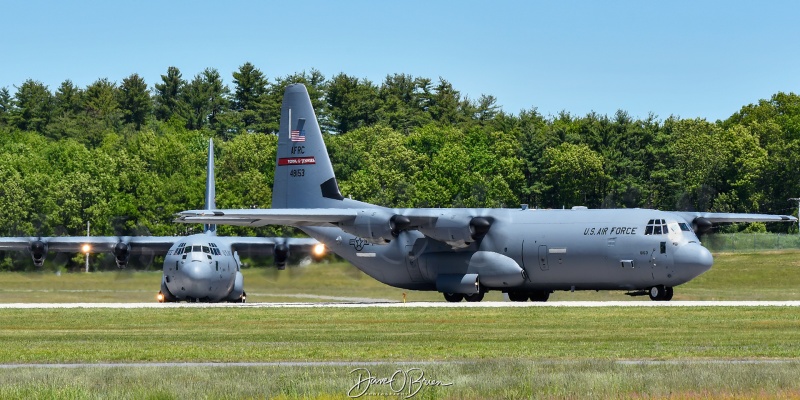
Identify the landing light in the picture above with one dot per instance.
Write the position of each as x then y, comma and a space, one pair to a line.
319, 250
160, 297
86, 248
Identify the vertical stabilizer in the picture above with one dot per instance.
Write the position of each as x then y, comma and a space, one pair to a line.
303, 171
210, 186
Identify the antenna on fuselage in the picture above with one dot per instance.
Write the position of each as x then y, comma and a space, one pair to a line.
210, 186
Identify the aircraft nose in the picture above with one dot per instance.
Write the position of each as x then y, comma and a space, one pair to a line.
196, 279
693, 259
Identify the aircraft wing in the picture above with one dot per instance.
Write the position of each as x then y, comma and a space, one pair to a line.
304, 216
262, 217
716, 218
97, 244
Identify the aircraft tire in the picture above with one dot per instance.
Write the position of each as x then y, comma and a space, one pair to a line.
474, 298
660, 293
518, 296
539, 296
453, 297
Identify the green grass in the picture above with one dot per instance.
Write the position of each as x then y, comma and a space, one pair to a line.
741, 276
396, 334
487, 353
478, 380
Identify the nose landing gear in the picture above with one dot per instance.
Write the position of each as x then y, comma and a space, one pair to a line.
660, 293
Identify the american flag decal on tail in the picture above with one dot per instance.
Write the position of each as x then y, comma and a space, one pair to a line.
298, 135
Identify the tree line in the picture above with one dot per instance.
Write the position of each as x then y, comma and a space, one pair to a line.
127, 156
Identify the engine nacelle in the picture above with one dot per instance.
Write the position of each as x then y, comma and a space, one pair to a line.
458, 231
281, 255
122, 252
456, 283
38, 251
375, 226
701, 225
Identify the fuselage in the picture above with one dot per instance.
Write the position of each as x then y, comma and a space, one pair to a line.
580, 249
202, 267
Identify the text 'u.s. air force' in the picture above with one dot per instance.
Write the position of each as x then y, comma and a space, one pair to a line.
614, 230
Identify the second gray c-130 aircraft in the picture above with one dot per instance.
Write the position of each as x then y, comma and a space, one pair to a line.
202, 267
466, 252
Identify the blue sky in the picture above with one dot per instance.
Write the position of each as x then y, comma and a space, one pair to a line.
691, 59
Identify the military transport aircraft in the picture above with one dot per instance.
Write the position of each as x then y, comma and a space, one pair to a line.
464, 253
201, 267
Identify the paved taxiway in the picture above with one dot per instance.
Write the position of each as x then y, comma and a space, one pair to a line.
487, 304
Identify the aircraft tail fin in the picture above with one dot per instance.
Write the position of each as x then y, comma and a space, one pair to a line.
303, 171
210, 186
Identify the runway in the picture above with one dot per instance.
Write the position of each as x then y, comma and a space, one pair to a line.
487, 304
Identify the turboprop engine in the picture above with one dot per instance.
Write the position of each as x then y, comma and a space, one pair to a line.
458, 231
701, 225
122, 252
38, 251
376, 226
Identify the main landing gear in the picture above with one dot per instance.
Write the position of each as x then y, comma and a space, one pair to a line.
535, 295
457, 297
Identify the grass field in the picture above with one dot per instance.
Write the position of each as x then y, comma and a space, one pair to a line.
486, 352
705, 352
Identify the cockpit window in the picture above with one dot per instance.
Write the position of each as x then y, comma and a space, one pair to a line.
685, 227
197, 248
656, 227
206, 250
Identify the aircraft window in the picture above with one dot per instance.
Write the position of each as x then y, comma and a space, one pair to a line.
197, 248
656, 227
685, 227
206, 250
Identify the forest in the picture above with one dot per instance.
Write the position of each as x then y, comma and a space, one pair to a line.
126, 156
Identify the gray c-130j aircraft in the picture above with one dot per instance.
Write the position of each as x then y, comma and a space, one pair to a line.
464, 253
201, 267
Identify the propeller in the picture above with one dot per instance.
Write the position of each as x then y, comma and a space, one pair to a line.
701, 226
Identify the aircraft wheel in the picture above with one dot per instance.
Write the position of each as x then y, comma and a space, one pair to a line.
667, 294
244, 297
517, 296
658, 293
453, 297
539, 295
474, 298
